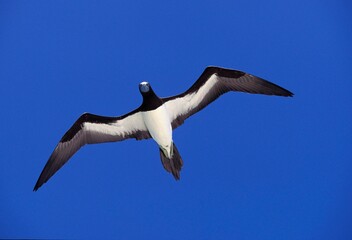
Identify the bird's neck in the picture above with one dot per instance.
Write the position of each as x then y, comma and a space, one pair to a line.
151, 101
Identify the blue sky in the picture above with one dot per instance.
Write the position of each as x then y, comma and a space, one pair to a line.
255, 167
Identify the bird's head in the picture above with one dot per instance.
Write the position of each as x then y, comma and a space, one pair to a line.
144, 87
150, 99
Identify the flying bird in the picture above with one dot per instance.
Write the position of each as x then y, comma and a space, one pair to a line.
156, 118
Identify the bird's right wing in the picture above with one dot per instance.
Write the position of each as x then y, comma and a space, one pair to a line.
88, 129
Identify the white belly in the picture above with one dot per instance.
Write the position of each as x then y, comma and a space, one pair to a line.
159, 127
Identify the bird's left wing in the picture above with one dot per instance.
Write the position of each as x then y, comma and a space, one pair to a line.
214, 82
88, 129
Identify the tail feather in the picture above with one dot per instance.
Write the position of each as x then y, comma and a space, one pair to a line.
174, 164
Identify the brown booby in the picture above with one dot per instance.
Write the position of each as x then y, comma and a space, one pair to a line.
156, 118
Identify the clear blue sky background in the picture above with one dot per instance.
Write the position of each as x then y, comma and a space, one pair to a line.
255, 167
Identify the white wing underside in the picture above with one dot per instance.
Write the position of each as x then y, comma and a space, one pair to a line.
182, 105
116, 131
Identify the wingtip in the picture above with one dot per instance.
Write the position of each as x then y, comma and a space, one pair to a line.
37, 186
290, 94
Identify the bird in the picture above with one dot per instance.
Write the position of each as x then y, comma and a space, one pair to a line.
156, 118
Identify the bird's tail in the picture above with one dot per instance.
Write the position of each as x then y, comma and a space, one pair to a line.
174, 164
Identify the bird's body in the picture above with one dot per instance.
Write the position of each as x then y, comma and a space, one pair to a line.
155, 118
158, 124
